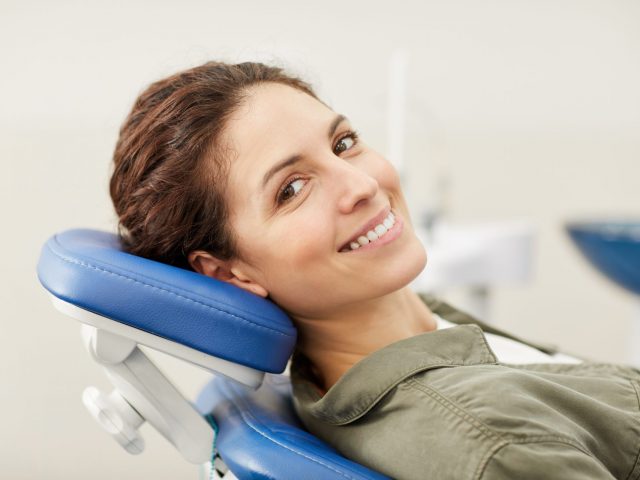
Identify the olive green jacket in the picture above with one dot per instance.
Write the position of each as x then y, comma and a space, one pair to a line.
440, 406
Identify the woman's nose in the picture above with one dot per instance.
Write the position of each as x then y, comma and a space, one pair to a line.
355, 187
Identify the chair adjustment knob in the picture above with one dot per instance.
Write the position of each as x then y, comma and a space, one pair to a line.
116, 416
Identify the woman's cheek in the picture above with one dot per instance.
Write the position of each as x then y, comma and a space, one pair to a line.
388, 175
301, 242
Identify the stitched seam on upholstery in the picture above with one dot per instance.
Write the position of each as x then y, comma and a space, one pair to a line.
451, 406
533, 439
93, 267
244, 413
158, 283
315, 460
635, 464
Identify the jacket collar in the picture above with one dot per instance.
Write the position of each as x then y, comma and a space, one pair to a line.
367, 382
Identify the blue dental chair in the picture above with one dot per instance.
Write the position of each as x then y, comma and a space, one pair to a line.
124, 301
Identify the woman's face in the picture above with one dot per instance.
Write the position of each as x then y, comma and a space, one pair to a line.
302, 189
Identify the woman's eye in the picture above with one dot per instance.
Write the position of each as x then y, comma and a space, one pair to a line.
290, 190
346, 142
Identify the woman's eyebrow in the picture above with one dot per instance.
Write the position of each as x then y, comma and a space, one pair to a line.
297, 157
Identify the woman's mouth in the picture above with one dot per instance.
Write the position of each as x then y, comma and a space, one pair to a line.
382, 233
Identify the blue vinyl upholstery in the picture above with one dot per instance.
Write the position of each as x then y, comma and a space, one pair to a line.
260, 437
89, 269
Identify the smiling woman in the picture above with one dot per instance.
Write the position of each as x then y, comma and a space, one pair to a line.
293, 217
241, 173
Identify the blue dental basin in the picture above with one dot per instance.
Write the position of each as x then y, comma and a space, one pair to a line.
612, 247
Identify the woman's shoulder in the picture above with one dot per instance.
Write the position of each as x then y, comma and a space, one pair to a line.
433, 417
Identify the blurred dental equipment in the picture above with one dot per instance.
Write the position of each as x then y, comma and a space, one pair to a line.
473, 257
613, 248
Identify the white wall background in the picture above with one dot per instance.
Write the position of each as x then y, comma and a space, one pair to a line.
531, 107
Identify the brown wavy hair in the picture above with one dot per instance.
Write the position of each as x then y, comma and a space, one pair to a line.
170, 168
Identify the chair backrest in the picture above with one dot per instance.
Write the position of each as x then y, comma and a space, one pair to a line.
260, 436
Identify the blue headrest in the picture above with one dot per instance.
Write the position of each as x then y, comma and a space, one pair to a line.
89, 269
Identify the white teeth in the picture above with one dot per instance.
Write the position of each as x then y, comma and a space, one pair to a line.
373, 235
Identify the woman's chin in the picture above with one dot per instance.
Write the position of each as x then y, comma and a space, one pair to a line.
415, 263
400, 271
376, 277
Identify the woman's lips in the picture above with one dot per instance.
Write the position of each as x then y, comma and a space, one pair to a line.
394, 232
377, 220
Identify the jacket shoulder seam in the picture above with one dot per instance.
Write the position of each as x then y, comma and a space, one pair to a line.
485, 429
501, 439
454, 408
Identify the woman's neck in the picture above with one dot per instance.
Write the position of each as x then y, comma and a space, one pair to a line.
335, 344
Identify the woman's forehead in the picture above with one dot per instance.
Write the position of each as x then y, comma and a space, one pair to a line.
274, 122
271, 109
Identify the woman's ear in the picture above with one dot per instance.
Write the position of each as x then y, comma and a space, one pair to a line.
206, 264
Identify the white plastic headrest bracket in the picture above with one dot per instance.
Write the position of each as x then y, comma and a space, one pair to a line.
142, 393
240, 373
